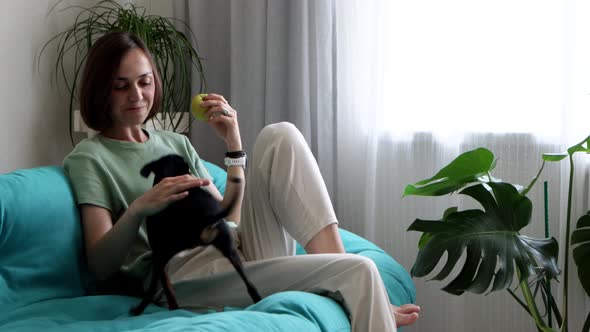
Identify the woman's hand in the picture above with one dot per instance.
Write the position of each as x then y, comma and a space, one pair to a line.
108, 242
161, 195
224, 119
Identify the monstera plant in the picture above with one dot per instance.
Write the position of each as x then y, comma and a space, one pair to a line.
496, 253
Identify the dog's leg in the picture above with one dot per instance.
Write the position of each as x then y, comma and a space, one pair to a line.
237, 263
224, 242
148, 296
168, 290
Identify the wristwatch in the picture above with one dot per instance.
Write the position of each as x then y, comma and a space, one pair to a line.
235, 158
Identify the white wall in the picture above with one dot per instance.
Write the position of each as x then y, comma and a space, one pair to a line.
33, 111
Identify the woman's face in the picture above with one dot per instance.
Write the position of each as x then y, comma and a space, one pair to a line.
133, 90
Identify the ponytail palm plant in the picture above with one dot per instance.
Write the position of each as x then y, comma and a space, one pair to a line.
173, 53
496, 251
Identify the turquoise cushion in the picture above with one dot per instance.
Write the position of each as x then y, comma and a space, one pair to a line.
42, 274
40, 238
219, 175
285, 312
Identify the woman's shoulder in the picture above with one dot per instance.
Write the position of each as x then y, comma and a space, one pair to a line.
87, 144
85, 151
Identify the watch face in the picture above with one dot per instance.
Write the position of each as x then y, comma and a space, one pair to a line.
235, 154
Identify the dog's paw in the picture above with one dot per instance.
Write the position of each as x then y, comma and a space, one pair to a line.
136, 311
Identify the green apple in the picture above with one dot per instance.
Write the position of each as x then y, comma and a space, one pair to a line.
196, 108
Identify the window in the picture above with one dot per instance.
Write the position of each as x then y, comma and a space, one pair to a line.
496, 66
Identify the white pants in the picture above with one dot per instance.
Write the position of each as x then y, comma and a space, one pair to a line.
285, 201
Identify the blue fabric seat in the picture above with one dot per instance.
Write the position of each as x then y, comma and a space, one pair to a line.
43, 275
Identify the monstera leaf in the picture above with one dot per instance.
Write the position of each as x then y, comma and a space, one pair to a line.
491, 240
467, 168
581, 239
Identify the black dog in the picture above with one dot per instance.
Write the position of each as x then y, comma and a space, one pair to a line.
194, 220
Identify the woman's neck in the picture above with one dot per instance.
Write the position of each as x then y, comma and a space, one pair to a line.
128, 134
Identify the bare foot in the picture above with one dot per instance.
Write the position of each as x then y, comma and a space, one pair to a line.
407, 314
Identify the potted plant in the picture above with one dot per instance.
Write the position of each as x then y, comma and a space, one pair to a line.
496, 251
173, 54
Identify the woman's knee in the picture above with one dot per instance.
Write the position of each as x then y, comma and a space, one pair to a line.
280, 131
362, 265
283, 126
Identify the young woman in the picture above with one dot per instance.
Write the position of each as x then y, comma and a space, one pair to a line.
284, 199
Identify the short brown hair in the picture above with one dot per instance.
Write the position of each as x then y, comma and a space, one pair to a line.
102, 64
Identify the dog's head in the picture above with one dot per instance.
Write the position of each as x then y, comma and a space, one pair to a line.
170, 165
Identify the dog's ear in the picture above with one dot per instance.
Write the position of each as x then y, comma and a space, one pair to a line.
147, 169
169, 165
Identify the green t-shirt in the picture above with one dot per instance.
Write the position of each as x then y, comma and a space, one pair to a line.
105, 172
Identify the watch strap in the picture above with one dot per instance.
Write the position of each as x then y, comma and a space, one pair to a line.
241, 161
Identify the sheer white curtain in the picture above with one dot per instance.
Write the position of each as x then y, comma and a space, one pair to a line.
274, 60
510, 75
387, 92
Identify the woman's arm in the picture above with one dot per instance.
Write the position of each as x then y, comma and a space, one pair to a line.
107, 243
224, 120
232, 190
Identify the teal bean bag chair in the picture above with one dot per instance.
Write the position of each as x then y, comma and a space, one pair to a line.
44, 278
